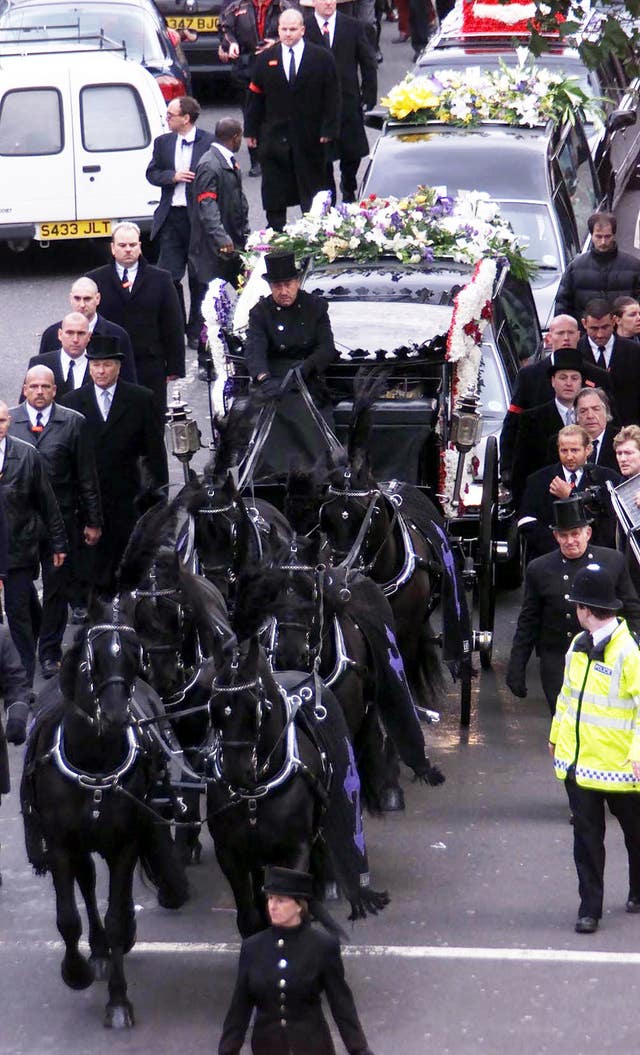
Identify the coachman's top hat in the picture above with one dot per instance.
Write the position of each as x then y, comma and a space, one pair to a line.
280, 267
104, 346
288, 882
566, 359
569, 513
593, 586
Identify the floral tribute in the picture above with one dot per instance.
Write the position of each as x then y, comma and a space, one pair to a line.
417, 229
523, 95
217, 312
499, 17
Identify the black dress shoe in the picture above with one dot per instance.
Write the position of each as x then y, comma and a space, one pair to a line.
255, 169
633, 904
586, 925
193, 342
50, 667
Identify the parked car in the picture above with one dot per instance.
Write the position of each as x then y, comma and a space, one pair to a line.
76, 136
198, 22
137, 24
543, 178
616, 145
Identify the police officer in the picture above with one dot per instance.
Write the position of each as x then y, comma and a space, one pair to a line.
282, 973
547, 621
595, 738
287, 329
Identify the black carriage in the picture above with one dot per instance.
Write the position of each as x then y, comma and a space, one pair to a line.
398, 315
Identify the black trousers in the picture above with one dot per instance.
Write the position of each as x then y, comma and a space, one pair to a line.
174, 257
22, 618
587, 806
348, 179
551, 676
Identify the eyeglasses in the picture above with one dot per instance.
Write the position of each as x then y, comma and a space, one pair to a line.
170, 114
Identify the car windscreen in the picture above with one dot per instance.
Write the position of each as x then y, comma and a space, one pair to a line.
119, 22
532, 221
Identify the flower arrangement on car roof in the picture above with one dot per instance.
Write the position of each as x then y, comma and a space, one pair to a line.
523, 95
416, 229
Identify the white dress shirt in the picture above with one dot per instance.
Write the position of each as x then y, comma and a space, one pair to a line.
33, 414
608, 349
182, 162
79, 367
297, 55
3, 447
227, 154
100, 392
332, 26
604, 631
132, 271
563, 411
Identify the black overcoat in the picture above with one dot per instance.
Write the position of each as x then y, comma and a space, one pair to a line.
355, 58
161, 170
14, 688
220, 215
129, 434
49, 343
536, 430
30, 504
288, 122
289, 1017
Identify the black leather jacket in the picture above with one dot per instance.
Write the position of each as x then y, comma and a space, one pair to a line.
31, 505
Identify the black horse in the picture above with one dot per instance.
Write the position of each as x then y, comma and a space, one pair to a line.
89, 775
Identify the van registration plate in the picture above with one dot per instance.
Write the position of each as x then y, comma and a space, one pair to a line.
199, 23
58, 229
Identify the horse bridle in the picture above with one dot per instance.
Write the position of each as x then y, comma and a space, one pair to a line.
116, 629
228, 569
373, 494
276, 624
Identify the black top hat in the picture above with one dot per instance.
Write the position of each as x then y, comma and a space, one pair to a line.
566, 359
104, 346
288, 882
593, 586
280, 267
569, 513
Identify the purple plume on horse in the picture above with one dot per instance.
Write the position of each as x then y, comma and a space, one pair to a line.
351, 786
449, 563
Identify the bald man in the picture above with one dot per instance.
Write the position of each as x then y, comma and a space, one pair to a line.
84, 296
62, 439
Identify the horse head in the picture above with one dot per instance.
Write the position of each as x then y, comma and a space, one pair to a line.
352, 514
293, 638
222, 531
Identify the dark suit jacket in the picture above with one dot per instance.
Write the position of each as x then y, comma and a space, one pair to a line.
129, 434
220, 214
49, 343
150, 313
547, 620
623, 378
67, 451
355, 58
161, 170
606, 454
537, 502
536, 429
289, 120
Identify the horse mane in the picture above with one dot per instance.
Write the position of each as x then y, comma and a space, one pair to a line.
258, 590
209, 612
234, 432
368, 385
151, 531
302, 500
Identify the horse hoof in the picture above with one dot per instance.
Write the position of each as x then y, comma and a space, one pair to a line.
101, 966
331, 892
173, 898
119, 1016
392, 800
77, 972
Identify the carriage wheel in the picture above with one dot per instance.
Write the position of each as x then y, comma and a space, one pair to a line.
485, 558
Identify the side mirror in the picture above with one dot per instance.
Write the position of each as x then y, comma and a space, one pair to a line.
620, 119
375, 119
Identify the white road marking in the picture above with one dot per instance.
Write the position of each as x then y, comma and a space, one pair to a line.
402, 952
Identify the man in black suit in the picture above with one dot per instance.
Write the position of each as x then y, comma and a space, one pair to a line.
123, 426
593, 412
571, 474
292, 115
547, 620
143, 300
84, 297
355, 58
220, 220
617, 355
62, 440
173, 167
538, 427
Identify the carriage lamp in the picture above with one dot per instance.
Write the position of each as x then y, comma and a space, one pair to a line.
182, 432
466, 431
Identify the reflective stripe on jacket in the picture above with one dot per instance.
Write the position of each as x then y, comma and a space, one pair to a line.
596, 728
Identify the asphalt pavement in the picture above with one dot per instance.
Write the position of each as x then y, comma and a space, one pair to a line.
475, 953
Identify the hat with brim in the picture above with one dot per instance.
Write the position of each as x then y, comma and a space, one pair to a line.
288, 882
566, 359
104, 346
570, 513
280, 267
593, 587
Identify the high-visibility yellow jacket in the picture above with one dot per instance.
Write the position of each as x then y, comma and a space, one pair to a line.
596, 728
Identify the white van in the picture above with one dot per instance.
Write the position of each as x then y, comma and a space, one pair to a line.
76, 136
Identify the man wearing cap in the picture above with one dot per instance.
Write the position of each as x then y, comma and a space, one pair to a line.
282, 973
547, 621
61, 437
288, 329
537, 427
595, 738
571, 474
123, 425
84, 297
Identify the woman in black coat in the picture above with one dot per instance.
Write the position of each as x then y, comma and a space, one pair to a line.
282, 973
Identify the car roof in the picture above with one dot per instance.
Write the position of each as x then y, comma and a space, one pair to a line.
388, 279
9, 5
37, 68
462, 158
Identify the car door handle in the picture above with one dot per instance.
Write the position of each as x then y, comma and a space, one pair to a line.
91, 168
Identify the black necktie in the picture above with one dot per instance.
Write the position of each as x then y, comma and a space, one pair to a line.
573, 479
593, 457
38, 427
70, 375
325, 34
234, 164
292, 66
601, 361
125, 279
